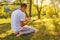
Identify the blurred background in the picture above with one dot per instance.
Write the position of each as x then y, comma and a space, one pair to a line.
40, 8
45, 17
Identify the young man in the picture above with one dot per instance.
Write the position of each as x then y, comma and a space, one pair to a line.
18, 22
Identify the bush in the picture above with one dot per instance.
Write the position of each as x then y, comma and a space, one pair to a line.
5, 15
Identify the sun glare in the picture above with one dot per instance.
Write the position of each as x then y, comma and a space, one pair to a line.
35, 2
59, 5
12, 0
45, 2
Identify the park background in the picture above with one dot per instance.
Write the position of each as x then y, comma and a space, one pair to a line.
45, 17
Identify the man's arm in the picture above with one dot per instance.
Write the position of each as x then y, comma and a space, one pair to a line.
22, 23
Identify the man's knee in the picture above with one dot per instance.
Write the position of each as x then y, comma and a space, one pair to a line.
32, 30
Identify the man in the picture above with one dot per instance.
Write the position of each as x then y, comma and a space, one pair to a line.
18, 22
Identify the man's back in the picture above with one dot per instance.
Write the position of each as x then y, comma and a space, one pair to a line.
16, 17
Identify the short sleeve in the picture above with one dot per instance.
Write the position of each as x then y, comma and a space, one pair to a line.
22, 17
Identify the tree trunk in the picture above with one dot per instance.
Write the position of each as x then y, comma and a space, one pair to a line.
20, 1
39, 14
30, 8
26, 14
39, 11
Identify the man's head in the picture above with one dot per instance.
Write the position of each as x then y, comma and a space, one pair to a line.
23, 7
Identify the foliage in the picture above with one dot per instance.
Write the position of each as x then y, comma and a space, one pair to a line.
46, 29
48, 11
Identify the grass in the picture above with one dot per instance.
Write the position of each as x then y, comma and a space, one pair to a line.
45, 30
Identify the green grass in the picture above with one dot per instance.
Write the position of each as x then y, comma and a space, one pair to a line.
45, 30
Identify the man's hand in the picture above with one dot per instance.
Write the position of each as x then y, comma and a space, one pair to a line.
22, 23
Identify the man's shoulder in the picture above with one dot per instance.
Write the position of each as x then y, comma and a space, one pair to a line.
16, 11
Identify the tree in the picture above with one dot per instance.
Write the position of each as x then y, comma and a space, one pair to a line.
39, 9
30, 8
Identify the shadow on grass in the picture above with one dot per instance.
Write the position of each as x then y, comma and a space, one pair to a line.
34, 36
41, 33
4, 27
13, 37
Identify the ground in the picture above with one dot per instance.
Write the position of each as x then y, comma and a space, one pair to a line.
45, 30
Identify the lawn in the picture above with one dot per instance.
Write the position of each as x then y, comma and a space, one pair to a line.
46, 29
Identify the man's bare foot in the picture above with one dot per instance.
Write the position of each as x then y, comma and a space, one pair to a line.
16, 33
20, 33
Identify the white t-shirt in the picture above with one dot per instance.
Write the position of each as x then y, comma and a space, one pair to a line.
16, 17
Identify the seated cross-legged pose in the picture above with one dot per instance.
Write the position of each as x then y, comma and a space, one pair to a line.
18, 22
